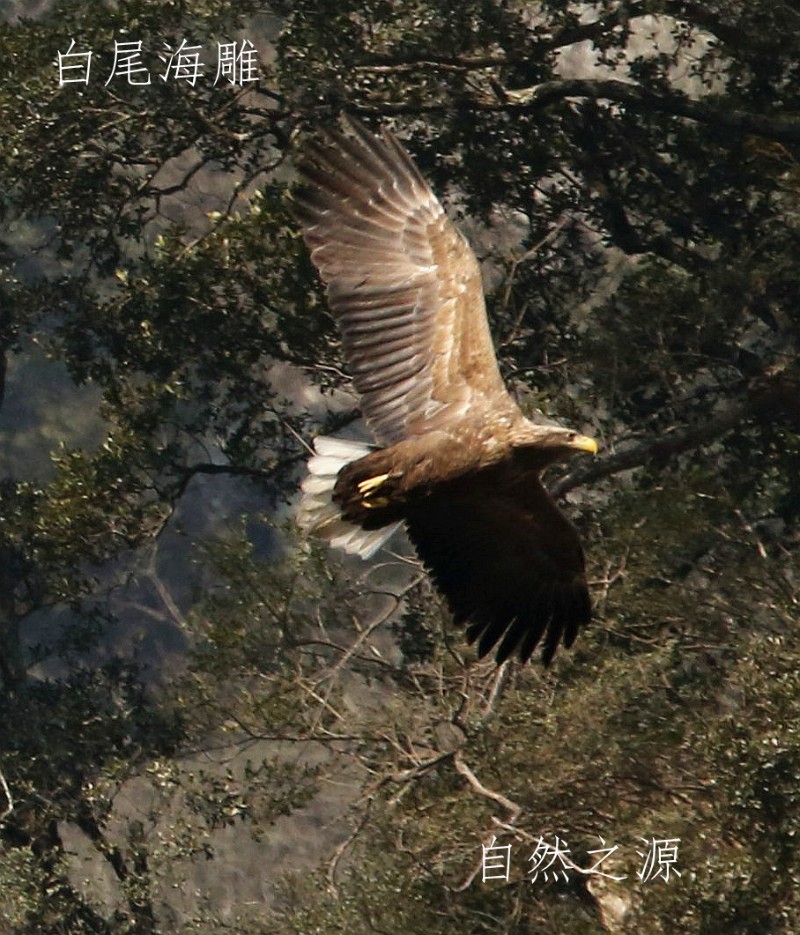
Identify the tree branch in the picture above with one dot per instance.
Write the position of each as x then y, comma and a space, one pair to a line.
498, 797
539, 96
781, 395
677, 104
535, 49
9, 806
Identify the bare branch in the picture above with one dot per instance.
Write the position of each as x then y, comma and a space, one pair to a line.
780, 398
343, 847
540, 96
477, 785
538, 46
9, 806
678, 104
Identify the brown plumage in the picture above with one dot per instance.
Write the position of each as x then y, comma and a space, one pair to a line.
459, 464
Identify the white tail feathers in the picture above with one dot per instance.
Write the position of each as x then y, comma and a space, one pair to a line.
318, 513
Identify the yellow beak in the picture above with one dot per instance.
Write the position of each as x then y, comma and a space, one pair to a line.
584, 443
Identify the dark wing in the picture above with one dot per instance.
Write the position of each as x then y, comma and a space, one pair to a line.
508, 561
403, 284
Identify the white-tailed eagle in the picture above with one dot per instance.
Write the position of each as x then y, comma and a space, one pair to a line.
458, 463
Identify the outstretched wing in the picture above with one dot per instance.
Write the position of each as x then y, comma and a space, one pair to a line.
508, 561
402, 282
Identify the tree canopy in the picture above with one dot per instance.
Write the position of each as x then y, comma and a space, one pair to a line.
185, 680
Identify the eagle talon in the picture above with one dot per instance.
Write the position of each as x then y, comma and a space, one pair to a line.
366, 487
376, 504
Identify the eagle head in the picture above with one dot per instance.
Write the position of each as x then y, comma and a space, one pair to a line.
542, 444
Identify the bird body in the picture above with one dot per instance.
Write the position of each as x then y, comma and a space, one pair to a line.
458, 463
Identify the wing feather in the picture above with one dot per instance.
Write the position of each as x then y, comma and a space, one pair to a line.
508, 561
402, 282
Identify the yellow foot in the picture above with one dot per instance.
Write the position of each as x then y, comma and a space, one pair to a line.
376, 503
371, 483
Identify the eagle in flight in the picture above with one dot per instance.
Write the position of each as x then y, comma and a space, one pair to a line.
457, 462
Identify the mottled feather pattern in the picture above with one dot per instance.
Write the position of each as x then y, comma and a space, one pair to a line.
395, 266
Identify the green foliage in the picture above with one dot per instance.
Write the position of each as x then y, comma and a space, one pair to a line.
640, 236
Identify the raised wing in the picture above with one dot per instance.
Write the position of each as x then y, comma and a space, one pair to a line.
402, 282
508, 561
